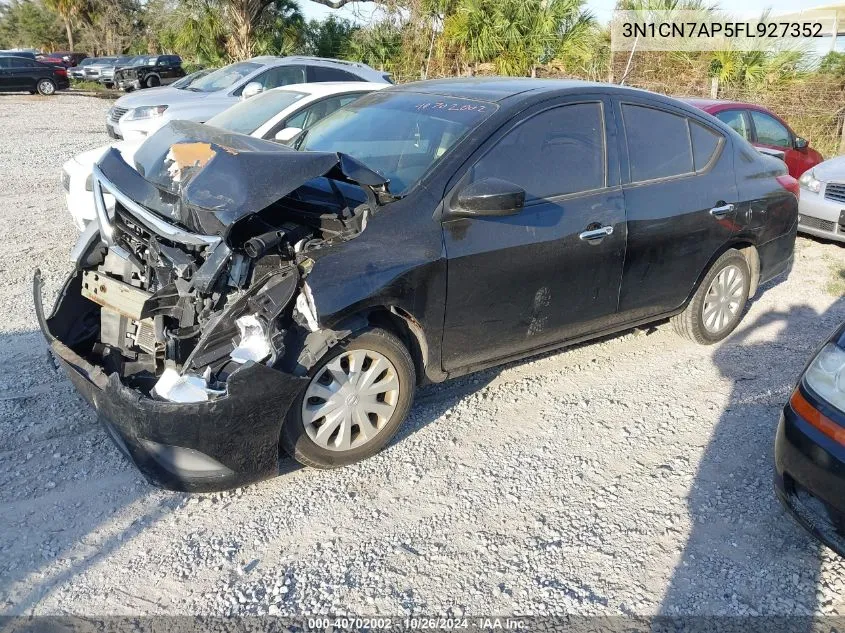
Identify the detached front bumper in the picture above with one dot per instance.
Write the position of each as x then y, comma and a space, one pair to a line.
197, 447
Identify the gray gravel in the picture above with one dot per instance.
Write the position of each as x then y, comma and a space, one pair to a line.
629, 476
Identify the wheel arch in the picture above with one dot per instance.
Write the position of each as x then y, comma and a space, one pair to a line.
400, 323
748, 249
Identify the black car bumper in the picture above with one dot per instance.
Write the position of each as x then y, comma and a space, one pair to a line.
197, 447
810, 478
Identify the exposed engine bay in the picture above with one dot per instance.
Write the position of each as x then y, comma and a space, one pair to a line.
201, 265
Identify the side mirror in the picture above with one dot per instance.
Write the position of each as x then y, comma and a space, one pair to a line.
287, 134
490, 197
251, 89
801, 143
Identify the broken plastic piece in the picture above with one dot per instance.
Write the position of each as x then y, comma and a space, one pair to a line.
175, 387
254, 345
305, 306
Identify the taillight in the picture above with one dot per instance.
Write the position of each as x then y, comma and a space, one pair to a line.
790, 184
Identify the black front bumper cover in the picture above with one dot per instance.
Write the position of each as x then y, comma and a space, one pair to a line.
239, 431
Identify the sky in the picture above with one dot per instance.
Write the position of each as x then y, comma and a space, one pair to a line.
362, 12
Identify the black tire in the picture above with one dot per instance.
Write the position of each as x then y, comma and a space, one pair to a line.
691, 322
294, 438
153, 82
46, 87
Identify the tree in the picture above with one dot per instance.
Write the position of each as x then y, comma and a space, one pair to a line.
26, 23
329, 38
378, 45
517, 35
66, 10
248, 17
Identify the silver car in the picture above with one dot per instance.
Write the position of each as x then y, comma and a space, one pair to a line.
139, 114
821, 206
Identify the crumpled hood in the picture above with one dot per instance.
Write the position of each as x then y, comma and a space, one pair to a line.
207, 179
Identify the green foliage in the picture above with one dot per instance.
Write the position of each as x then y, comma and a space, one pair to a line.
517, 35
330, 38
379, 46
29, 24
833, 64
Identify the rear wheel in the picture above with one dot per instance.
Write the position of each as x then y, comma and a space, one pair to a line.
355, 401
718, 305
153, 81
46, 87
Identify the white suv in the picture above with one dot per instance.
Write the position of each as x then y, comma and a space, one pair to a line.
137, 115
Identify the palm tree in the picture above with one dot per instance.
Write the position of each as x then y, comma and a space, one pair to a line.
66, 10
247, 17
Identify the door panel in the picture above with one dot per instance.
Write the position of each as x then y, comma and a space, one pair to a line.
676, 224
527, 281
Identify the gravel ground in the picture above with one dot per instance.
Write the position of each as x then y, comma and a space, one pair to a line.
628, 476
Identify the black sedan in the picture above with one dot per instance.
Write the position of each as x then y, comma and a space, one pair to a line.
810, 446
244, 296
20, 74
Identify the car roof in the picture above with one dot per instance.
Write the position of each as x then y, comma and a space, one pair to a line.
330, 87
496, 89
341, 64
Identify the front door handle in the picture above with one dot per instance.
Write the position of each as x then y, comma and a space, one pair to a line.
720, 212
596, 234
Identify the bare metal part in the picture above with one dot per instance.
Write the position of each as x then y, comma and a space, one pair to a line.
114, 295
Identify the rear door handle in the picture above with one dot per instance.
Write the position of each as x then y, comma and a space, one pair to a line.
720, 212
596, 234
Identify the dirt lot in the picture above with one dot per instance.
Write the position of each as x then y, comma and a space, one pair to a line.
630, 476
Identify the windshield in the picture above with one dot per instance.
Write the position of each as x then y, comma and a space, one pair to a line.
187, 80
224, 77
247, 116
124, 61
401, 135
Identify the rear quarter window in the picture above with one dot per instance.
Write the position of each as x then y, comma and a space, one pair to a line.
658, 143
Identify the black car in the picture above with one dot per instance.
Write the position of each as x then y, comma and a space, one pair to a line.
810, 446
243, 295
21, 74
149, 72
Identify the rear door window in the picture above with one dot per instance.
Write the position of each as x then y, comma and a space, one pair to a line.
324, 73
737, 120
659, 144
557, 152
770, 131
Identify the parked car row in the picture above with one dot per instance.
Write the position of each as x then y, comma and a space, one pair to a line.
137, 116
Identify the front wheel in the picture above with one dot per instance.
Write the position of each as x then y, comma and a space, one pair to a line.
46, 87
356, 399
718, 305
153, 82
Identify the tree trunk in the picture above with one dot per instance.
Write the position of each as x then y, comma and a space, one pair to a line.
533, 71
69, 34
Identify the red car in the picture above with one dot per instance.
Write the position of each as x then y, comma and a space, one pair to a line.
762, 128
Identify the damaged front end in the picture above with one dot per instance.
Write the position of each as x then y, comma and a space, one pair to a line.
188, 322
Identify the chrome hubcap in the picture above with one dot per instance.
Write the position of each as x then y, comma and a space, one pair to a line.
46, 87
722, 302
350, 400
